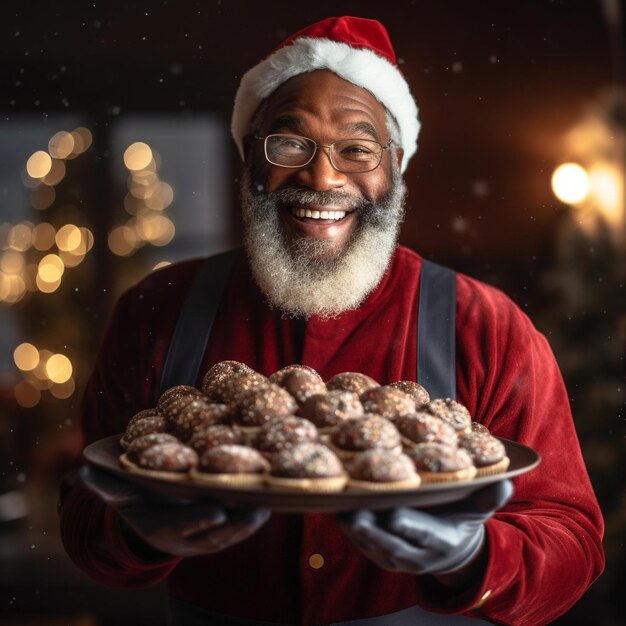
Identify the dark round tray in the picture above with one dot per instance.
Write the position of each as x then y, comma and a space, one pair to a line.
104, 454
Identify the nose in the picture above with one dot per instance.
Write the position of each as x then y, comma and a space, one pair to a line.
319, 174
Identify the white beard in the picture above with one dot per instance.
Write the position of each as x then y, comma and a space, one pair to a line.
309, 277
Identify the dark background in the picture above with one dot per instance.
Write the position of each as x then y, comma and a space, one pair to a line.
498, 85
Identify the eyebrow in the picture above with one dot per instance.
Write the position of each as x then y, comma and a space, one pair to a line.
288, 122
365, 128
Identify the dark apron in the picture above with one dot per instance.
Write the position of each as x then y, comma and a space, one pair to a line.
435, 370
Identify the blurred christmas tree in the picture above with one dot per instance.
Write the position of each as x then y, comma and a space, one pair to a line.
586, 326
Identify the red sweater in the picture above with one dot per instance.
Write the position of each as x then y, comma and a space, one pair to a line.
544, 546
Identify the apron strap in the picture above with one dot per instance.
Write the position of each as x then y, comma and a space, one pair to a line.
436, 334
435, 370
193, 327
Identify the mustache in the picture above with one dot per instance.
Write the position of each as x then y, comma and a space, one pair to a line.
338, 199
370, 213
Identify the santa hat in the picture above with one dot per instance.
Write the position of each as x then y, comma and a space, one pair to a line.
356, 49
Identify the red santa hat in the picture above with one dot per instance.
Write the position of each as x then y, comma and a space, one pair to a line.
356, 49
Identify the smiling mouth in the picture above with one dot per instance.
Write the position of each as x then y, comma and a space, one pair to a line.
318, 215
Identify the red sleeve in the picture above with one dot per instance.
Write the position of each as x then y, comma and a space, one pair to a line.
125, 379
94, 540
545, 546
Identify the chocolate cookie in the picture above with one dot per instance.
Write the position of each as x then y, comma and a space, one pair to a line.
438, 462
351, 381
173, 393
232, 389
364, 433
279, 375
387, 401
283, 433
415, 390
171, 456
215, 435
451, 412
218, 374
302, 384
379, 470
422, 427
230, 465
488, 453
187, 414
307, 467
328, 410
143, 426
258, 406
138, 445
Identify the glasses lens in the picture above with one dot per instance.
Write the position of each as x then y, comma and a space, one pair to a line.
357, 155
289, 150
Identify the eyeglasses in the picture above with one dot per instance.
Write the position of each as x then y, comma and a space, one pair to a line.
346, 155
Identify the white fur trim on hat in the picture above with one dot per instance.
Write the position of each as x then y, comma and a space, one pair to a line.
359, 66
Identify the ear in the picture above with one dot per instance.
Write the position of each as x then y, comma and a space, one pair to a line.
399, 157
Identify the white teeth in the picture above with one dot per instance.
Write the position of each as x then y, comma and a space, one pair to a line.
319, 215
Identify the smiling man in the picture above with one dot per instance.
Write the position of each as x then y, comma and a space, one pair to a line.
322, 215
326, 126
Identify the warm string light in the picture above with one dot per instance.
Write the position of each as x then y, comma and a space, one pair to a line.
146, 201
42, 371
570, 183
46, 169
594, 185
64, 248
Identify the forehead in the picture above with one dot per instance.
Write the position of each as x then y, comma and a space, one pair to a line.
322, 102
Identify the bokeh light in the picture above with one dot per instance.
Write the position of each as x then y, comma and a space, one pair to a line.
39, 371
51, 268
82, 141
68, 238
87, 238
58, 368
570, 183
12, 262
26, 357
161, 198
137, 156
154, 228
64, 390
12, 288
20, 237
606, 186
122, 241
43, 236
61, 145
132, 205
38, 164
26, 395
56, 173
46, 287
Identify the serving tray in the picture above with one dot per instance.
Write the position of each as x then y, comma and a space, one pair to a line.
104, 454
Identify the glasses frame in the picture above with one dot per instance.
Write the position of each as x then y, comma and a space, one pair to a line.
329, 147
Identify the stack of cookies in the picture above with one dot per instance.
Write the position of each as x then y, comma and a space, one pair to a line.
294, 431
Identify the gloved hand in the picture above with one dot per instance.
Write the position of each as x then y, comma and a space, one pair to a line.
180, 528
435, 541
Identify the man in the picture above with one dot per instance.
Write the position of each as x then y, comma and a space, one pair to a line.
326, 126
